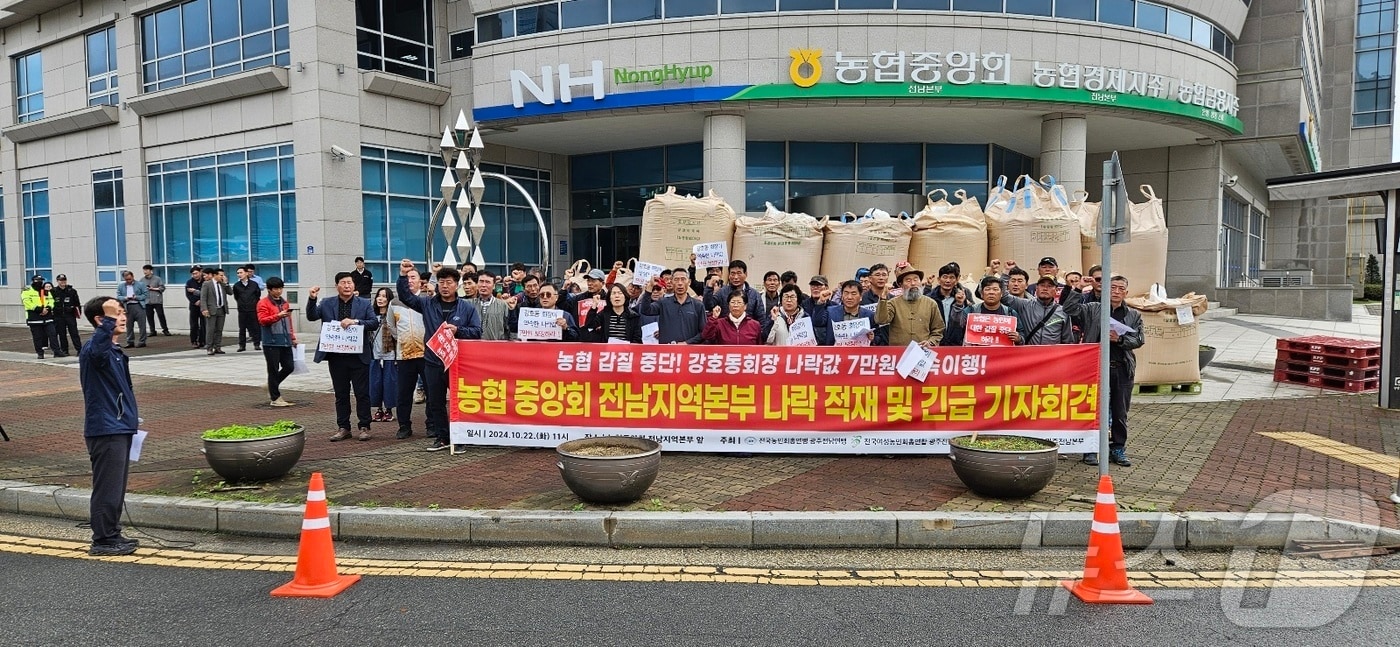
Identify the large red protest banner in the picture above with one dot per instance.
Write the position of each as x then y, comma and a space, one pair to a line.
769, 399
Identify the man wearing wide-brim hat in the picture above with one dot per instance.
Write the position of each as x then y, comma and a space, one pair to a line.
910, 315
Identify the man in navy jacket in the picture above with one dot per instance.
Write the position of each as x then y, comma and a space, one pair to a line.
347, 370
109, 421
443, 310
848, 308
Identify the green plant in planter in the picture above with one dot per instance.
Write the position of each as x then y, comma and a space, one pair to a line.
246, 432
1002, 443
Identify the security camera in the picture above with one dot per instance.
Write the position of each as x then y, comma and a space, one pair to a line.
1232, 180
340, 153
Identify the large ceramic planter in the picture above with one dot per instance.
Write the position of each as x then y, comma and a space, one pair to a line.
1001, 473
1207, 353
622, 478
257, 459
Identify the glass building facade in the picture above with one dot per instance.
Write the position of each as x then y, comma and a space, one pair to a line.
109, 216
225, 209
576, 14
205, 39
401, 189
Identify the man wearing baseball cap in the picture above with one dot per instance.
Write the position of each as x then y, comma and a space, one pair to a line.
1045, 320
1048, 267
67, 311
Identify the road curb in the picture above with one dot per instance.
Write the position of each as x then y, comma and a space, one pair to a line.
1166, 530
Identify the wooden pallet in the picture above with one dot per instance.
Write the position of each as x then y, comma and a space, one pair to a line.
1329, 360
1188, 388
1326, 370
1330, 383
1341, 346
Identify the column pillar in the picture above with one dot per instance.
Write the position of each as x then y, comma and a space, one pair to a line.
725, 161
1063, 138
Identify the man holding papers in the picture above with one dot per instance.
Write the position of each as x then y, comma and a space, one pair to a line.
824, 319
1124, 334
348, 370
109, 422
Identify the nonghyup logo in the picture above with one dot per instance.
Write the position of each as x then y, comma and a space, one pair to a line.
806, 67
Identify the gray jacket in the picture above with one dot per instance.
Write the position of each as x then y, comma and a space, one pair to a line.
155, 289
1087, 316
1058, 328
208, 297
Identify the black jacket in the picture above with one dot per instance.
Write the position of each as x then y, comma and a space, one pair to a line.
66, 303
246, 296
596, 327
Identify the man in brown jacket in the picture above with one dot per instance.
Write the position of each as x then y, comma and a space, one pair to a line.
910, 315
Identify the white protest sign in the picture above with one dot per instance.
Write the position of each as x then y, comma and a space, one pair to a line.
335, 339
709, 255
851, 333
1184, 316
645, 272
915, 362
801, 333
539, 324
649, 333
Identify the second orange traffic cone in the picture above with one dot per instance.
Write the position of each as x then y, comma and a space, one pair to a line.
316, 575
1105, 578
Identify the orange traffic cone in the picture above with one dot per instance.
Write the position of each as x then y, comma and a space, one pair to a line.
1105, 578
316, 575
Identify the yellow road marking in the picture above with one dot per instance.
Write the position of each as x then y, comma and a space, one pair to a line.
1388, 465
706, 574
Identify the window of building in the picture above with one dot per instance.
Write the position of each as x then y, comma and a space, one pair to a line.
29, 87
1257, 224
1030, 7
204, 39
758, 6
1375, 63
618, 184
584, 13
38, 250
691, 8
229, 208
634, 10
1235, 235
780, 171
109, 213
553, 15
102, 67
396, 36
400, 189
459, 44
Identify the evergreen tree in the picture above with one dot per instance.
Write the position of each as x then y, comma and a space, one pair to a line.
1373, 270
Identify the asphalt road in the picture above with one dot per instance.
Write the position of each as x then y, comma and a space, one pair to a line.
58, 601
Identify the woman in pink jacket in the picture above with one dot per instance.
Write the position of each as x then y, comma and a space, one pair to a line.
735, 329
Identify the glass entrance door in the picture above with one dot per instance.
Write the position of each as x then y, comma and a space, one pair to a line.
600, 245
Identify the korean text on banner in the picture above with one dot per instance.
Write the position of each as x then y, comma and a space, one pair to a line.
645, 272
709, 255
771, 398
989, 330
539, 324
801, 333
444, 345
854, 332
335, 339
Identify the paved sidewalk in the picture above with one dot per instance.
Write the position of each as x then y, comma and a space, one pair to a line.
1204, 452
